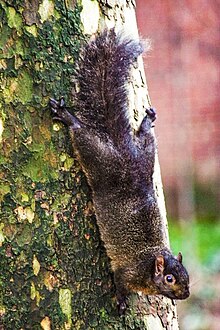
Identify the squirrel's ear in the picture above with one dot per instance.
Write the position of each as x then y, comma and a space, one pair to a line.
159, 265
180, 257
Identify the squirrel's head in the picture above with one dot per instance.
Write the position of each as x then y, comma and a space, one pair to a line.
170, 276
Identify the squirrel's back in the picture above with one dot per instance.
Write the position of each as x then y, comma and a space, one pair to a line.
102, 75
119, 165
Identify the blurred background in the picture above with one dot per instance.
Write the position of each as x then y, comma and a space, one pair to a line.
183, 76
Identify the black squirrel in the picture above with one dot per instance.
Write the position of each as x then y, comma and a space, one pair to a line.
119, 165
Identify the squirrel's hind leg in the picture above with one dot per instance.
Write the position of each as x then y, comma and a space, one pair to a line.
60, 113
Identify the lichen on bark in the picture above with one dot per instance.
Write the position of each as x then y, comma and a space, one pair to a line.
54, 270
37, 178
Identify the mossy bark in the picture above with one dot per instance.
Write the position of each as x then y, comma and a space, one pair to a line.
54, 272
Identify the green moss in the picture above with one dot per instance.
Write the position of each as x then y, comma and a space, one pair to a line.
19, 89
4, 36
24, 236
32, 29
25, 88
65, 304
14, 18
2, 237
4, 189
38, 170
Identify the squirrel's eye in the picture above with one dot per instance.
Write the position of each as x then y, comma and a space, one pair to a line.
170, 279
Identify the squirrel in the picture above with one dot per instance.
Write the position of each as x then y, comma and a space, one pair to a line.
119, 166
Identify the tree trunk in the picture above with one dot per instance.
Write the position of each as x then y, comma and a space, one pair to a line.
54, 270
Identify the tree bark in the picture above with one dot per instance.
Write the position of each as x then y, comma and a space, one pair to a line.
54, 270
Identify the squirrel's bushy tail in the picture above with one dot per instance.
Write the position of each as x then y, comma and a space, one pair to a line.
103, 72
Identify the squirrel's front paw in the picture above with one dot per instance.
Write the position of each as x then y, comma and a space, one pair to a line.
56, 106
151, 113
122, 305
60, 113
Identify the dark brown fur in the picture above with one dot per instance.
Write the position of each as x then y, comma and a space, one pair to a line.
119, 165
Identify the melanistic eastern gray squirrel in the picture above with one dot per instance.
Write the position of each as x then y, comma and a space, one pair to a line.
119, 165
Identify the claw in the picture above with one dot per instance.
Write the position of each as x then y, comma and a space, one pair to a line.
62, 102
55, 105
122, 305
122, 308
151, 113
61, 113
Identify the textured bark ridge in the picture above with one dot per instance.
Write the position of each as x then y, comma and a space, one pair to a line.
54, 270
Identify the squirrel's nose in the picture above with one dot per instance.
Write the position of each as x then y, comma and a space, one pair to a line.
185, 294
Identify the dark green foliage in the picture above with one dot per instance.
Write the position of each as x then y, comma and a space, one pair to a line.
207, 201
